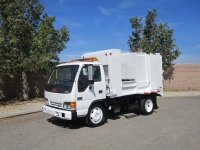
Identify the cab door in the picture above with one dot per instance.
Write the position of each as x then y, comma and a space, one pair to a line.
86, 92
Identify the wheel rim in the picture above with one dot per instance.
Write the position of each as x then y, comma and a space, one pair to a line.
96, 115
149, 105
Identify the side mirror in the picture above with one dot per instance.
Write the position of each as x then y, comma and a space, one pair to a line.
90, 76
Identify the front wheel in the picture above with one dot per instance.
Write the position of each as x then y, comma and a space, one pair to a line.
147, 106
95, 116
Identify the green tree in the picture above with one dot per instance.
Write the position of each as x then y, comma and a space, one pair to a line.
28, 41
154, 37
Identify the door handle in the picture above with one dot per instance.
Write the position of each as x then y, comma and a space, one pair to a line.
100, 91
79, 98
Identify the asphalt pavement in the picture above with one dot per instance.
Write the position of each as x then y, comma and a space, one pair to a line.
35, 105
174, 126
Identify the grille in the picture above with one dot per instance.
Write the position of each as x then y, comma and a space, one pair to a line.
56, 104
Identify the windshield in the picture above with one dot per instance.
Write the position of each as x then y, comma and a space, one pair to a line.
62, 79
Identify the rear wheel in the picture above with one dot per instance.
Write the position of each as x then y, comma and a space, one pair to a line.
147, 106
95, 116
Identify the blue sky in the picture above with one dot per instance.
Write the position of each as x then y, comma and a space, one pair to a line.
104, 24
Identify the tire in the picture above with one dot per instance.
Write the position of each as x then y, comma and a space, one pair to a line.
95, 116
147, 106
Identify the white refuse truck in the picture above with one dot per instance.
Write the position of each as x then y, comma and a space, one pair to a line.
103, 82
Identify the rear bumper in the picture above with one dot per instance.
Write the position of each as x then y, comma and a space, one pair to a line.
63, 114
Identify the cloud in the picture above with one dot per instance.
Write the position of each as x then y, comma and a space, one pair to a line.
104, 11
195, 47
69, 22
74, 24
97, 22
173, 25
81, 42
151, 4
118, 34
198, 46
61, 1
78, 40
126, 4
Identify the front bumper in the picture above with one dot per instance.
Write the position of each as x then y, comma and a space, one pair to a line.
63, 114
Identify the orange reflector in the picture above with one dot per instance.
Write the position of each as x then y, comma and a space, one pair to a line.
45, 99
73, 104
85, 59
90, 59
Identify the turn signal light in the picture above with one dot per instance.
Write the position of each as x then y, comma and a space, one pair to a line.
73, 104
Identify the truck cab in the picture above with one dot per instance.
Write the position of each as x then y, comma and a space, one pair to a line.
70, 92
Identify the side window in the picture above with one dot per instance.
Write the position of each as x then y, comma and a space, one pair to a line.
83, 79
96, 73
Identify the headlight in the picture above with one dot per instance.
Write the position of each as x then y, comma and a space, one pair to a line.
69, 105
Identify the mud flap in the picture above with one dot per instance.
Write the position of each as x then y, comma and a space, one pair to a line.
155, 102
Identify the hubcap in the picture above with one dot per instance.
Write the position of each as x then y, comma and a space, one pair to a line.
96, 115
149, 105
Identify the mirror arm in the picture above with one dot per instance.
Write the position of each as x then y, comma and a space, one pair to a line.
90, 77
